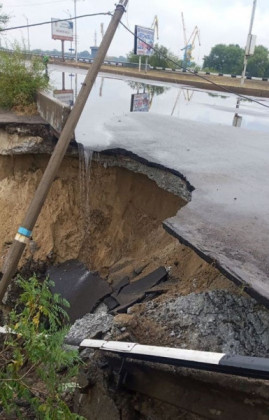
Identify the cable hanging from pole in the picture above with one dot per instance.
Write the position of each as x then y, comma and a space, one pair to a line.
123, 3
48, 22
178, 66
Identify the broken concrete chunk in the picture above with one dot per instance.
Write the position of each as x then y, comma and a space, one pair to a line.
90, 326
82, 289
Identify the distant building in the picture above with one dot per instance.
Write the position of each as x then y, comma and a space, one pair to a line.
94, 51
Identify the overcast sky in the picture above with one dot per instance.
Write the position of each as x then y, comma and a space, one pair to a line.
219, 21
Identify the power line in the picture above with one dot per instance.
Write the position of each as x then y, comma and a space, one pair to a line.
192, 72
54, 21
153, 48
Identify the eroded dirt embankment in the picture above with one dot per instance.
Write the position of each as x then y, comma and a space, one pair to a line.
111, 219
116, 230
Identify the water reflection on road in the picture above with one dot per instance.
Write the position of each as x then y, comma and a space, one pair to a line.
113, 96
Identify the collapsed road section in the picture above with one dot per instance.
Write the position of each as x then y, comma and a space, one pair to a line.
226, 220
108, 215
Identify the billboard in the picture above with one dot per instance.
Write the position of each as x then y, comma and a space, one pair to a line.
62, 30
66, 96
144, 41
140, 102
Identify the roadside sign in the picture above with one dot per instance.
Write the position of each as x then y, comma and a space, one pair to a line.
140, 102
144, 41
62, 30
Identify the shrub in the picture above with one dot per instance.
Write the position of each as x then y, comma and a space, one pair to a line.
20, 79
35, 370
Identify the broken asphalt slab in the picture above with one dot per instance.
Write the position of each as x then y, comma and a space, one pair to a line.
136, 291
81, 288
85, 290
227, 220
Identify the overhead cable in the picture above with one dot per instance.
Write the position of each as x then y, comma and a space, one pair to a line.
54, 21
194, 73
220, 87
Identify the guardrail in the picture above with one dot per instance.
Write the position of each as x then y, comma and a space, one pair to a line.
253, 367
135, 65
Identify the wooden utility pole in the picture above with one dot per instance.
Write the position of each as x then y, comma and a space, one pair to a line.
25, 230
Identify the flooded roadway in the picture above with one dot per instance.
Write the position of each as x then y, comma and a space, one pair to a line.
112, 96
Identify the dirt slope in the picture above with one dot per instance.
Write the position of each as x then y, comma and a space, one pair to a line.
116, 230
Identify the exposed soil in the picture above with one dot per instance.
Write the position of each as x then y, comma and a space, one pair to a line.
117, 232
111, 219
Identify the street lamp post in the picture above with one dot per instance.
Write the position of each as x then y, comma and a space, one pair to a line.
76, 32
28, 33
249, 40
248, 51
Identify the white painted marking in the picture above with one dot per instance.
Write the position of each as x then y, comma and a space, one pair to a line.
166, 352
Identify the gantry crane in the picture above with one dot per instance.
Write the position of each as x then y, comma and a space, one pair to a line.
155, 25
189, 44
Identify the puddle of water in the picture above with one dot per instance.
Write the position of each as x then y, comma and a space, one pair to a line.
112, 96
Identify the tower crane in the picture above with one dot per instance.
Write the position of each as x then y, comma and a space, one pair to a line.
189, 43
155, 25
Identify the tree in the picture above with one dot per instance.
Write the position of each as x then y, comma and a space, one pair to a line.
84, 53
225, 59
20, 80
35, 369
229, 59
3, 18
258, 64
161, 57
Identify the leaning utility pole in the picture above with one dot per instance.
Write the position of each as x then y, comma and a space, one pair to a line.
25, 230
250, 44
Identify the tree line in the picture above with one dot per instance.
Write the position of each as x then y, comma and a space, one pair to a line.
222, 58
229, 59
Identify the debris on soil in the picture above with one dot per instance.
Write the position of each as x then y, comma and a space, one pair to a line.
81, 288
211, 321
135, 292
90, 326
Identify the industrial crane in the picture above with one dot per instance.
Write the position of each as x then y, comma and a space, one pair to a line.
155, 25
189, 44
